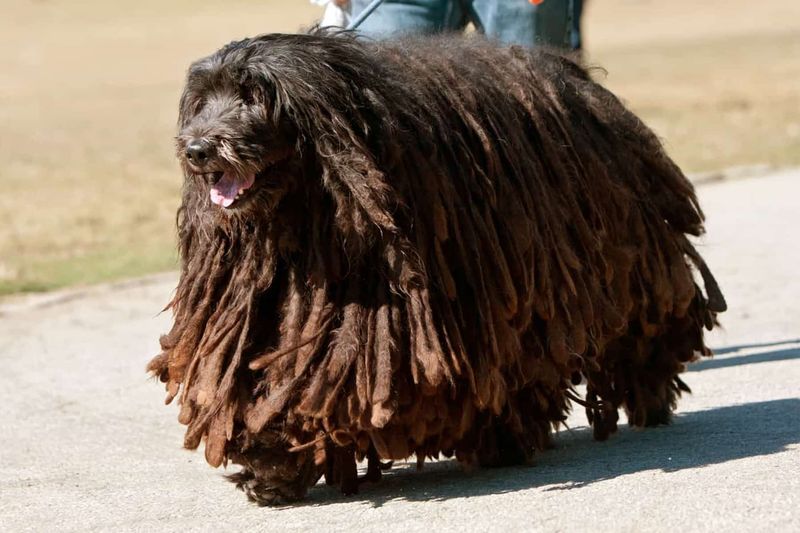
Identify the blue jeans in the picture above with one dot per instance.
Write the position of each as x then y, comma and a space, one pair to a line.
577, 12
508, 21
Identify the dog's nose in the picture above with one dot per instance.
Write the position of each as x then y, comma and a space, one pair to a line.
199, 152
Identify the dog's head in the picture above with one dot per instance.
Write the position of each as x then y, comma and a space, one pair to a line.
234, 143
314, 114
261, 114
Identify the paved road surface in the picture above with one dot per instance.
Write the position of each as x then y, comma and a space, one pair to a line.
86, 444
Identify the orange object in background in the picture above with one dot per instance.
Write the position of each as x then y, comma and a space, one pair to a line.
537, 2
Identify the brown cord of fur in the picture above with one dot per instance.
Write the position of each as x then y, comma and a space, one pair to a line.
462, 233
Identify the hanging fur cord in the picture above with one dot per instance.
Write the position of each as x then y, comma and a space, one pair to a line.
267, 359
600, 405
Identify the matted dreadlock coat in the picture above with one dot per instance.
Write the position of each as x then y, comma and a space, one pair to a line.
434, 241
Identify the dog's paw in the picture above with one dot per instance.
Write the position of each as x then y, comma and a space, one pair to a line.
264, 492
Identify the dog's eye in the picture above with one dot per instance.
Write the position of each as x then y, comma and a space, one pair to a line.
248, 97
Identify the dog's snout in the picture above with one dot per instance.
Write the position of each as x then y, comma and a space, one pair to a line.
199, 152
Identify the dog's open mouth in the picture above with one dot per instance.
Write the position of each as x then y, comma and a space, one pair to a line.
227, 187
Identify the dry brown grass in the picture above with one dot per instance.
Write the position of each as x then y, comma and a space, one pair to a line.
89, 95
719, 80
89, 90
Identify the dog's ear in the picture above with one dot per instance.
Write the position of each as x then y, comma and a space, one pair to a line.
365, 202
328, 112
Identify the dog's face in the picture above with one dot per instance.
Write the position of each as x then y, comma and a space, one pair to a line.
277, 118
233, 148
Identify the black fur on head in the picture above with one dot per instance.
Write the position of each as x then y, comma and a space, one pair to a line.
269, 112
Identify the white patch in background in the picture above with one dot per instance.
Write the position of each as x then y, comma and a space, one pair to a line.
334, 16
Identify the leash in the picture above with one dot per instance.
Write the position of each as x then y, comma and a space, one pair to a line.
367, 11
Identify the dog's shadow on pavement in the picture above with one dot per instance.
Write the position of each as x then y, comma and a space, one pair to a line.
693, 440
725, 357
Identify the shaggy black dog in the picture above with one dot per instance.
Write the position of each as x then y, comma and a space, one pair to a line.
419, 247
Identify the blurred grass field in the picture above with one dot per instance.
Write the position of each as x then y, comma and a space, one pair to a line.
89, 89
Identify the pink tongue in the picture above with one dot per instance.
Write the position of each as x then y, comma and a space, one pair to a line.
225, 190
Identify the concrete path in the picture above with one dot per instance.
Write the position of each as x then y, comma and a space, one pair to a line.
86, 444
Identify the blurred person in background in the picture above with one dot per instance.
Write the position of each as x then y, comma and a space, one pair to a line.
554, 23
